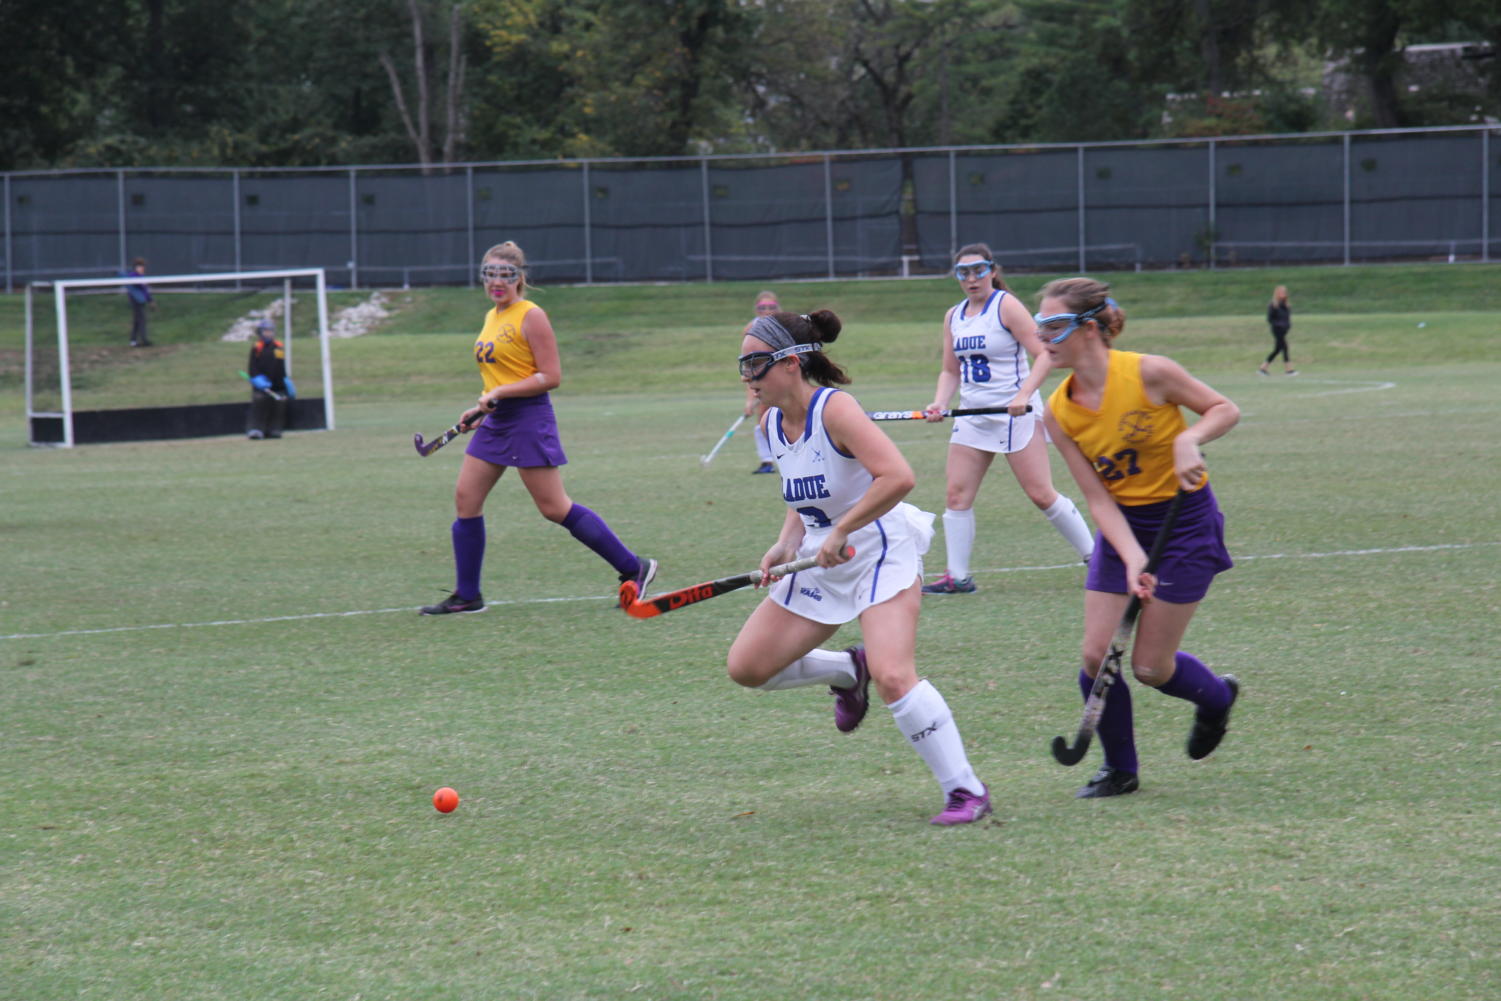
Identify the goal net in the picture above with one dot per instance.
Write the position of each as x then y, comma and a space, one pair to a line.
91, 383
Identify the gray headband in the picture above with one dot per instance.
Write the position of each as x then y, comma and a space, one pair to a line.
776, 336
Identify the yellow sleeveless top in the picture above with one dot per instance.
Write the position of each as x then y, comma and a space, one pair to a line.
501, 351
1130, 438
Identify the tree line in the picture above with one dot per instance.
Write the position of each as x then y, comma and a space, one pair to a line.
265, 83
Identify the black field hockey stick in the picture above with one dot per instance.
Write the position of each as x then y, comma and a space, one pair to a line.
1110, 668
647, 608
426, 448
918, 415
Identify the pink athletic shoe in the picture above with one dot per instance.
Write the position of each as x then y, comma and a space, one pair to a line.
851, 704
964, 807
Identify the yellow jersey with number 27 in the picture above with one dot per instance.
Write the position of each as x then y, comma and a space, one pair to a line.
1129, 439
501, 351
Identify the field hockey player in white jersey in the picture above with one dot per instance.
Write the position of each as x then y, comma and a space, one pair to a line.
986, 340
843, 482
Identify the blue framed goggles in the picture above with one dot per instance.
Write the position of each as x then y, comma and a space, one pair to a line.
1055, 328
756, 364
977, 269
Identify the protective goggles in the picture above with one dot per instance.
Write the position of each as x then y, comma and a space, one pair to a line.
498, 273
756, 364
1055, 328
765, 308
978, 269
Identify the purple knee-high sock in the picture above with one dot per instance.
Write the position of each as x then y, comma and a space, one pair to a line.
590, 529
468, 555
1193, 681
1117, 727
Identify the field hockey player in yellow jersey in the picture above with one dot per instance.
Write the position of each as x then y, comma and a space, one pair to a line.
1117, 422
517, 356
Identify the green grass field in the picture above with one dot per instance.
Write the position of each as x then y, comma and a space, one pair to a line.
224, 720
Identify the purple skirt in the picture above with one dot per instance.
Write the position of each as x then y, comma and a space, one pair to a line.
521, 432
1194, 554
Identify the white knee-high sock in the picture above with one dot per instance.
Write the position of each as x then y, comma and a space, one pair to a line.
959, 539
924, 719
763, 447
1071, 525
816, 667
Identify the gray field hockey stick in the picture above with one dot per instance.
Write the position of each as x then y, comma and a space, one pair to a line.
917, 415
705, 460
1110, 668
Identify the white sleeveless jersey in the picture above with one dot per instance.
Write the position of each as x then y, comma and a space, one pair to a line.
819, 482
992, 363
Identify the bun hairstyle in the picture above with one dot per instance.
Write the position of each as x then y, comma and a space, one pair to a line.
1083, 294
819, 327
997, 279
513, 254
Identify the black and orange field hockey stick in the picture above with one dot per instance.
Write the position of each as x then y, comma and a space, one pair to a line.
647, 608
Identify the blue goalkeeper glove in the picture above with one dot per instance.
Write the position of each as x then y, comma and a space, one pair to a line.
291, 389
261, 382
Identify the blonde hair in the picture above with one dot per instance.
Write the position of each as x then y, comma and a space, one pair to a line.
512, 254
1083, 294
1279, 294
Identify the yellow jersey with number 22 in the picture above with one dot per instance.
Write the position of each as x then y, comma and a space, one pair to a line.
501, 351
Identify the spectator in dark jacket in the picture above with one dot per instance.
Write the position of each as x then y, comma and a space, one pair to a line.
1279, 316
140, 298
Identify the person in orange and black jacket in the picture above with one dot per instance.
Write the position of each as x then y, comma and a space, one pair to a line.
270, 386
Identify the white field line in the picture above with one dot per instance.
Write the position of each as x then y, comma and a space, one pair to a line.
411, 609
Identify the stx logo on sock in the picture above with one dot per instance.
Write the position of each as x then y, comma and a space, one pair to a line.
928, 731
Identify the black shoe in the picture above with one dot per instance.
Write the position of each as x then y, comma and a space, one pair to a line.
1208, 731
764, 467
1109, 782
453, 604
643, 578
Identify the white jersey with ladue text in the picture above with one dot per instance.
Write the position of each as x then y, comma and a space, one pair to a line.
992, 363
821, 483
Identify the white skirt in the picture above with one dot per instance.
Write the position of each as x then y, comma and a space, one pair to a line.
999, 432
888, 559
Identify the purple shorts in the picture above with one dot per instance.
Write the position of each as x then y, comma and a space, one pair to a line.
521, 432
1194, 554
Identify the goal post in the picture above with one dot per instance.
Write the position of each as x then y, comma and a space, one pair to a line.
59, 423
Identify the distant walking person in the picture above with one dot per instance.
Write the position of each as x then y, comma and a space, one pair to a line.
1279, 316
140, 298
987, 337
517, 354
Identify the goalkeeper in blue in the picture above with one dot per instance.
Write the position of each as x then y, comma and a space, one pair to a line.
270, 387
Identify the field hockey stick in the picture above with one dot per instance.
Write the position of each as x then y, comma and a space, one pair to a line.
917, 415
427, 448
1110, 668
269, 392
705, 460
646, 608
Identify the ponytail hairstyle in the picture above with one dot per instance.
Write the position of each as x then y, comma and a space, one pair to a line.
1081, 295
818, 327
511, 254
997, 280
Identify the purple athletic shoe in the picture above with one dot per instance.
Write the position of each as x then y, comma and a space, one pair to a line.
964, 807
851, 704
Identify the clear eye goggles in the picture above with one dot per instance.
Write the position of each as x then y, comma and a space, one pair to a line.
498, 273
1055, 328
977, 269
756, 364
767, 307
